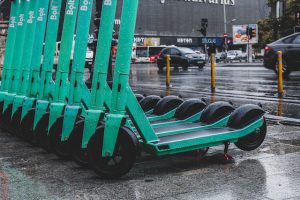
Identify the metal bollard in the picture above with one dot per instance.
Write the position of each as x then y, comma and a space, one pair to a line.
280, 75
213, 73
168, 71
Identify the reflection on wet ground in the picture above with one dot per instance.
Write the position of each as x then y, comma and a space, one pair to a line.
243, 84
271, 172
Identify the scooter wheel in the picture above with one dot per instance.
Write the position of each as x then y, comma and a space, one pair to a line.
121, 161
79, 155
16, 122
60, 148
139, 97
41, 132
149, 102
167, 104
7, 119
1, 114
26, 127
189, 108
253, 140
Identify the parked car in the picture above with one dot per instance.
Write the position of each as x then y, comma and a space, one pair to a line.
221, 56
146, 54
180, 57
290, 47
234, 55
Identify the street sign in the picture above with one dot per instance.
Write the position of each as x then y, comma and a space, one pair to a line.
241, 34
225, 35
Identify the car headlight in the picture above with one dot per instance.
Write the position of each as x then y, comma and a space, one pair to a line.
189, 56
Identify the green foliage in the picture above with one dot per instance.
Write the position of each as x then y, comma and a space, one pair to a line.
271, 29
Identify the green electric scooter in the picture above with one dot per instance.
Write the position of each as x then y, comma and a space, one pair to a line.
113, 147
62, 134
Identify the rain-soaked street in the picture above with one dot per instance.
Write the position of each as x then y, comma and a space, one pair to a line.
270, 172
238, 82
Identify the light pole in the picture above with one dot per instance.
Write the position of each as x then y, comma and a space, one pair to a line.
225, 18
225, 25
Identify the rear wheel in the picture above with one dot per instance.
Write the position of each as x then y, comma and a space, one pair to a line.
123, 158
160, 65
149, 102
253, 140
167, 104
185, 66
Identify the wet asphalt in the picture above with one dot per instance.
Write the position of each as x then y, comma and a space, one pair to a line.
270, 172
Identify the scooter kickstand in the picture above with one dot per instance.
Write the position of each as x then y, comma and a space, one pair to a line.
227, 157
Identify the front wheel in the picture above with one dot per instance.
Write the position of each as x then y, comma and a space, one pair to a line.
60, 147
253, 140
160, 66
121, 161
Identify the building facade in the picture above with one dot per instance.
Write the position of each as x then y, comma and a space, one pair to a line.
178, 22
166, 22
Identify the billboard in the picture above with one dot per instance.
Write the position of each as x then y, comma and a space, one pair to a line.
240, 35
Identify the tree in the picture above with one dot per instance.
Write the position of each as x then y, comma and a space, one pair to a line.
270, 29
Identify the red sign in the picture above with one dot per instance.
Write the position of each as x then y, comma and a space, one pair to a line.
225, 35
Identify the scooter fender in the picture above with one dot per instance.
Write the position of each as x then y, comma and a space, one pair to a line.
41, 108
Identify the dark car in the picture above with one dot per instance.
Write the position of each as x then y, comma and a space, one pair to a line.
290, 47
180, 57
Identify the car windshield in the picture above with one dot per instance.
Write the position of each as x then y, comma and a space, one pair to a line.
187, 51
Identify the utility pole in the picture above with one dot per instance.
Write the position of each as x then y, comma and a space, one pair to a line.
225, 18
225, 26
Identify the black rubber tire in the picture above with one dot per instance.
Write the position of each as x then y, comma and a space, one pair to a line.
167, 104
160, 66
215, 112
139, 97
16, 122
185, 65
1, 115
126, 150
6, 120
26, 128
149, 102
41, 132
60, 148
245, 115
189, 108
253, 140
75, 140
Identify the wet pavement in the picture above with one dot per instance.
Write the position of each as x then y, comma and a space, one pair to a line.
239, 83
270, 172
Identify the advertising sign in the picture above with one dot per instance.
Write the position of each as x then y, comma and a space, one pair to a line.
244, 34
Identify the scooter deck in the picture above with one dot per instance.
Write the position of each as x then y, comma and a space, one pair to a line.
193, 135
178, 127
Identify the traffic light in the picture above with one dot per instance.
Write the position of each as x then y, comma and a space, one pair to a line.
251, 32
